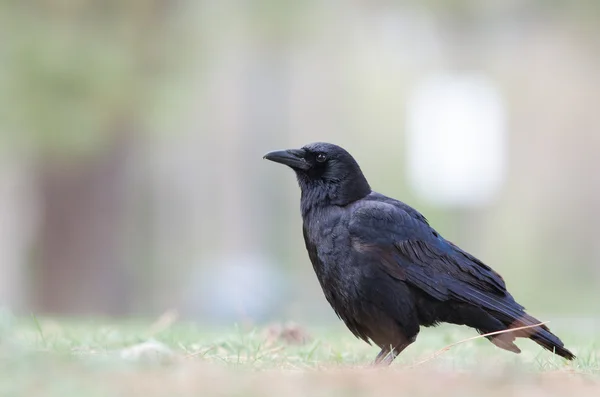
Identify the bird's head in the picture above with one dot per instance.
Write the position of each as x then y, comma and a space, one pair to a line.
326, 173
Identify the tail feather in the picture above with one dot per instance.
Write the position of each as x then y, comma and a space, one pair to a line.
542, 336
549, 341
505, 341
486, 322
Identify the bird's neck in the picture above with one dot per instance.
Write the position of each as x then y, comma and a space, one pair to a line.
320, 194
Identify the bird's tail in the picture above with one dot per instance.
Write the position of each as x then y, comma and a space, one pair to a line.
542, 336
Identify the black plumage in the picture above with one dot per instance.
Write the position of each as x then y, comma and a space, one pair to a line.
383, 268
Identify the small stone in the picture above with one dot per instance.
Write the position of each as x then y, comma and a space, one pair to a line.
150, 351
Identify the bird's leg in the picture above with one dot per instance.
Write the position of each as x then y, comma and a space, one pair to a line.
381, 356
388, 354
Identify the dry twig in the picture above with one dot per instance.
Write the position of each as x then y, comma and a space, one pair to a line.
445, 349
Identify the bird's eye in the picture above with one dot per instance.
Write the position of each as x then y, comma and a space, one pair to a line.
321, 158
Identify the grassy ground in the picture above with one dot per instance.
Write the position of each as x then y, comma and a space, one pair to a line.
45, 357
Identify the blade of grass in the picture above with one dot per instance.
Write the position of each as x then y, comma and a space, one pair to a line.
39, 328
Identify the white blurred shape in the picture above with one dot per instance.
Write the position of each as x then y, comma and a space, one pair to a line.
456, 140
237, 287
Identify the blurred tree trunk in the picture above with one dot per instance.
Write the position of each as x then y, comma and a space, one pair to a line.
18, 218
82, 74
82, 258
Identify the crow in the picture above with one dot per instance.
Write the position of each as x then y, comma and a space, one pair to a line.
385, 271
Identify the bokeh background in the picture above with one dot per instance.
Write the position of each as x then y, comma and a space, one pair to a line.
132, 135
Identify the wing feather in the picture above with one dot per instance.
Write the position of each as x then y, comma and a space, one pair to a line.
412, 251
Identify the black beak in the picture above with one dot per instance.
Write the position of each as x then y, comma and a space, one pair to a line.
293, 158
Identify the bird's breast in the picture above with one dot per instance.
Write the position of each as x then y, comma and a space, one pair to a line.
328, 245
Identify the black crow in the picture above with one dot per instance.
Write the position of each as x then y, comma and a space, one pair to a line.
386, 271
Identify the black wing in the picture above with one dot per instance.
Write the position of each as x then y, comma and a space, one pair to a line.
409, 249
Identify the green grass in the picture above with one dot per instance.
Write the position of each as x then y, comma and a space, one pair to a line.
48, 357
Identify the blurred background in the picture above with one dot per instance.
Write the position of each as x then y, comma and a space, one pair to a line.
132, 135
